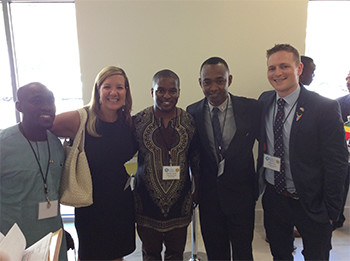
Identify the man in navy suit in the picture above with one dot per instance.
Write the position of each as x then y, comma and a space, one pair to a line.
227, 179
344, 103
302, 160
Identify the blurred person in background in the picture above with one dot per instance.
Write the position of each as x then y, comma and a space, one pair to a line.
344, 103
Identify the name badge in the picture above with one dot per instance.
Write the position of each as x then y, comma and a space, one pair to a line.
221, 167
47, 210
271, 162
171, 172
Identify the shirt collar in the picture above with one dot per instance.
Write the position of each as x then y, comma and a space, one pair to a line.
290, 99
222, 106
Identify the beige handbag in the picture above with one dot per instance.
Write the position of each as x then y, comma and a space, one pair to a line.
76, 183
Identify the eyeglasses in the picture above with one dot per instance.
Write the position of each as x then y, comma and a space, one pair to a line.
218, 81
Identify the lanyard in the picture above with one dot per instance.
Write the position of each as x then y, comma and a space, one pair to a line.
162, 135
44, 177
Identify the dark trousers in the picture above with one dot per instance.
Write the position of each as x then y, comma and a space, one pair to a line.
153, 240
222, 231
340, 221
281, 214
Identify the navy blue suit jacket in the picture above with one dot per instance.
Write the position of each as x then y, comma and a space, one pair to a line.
318, 153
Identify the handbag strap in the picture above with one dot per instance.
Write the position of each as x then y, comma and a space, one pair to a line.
79, 139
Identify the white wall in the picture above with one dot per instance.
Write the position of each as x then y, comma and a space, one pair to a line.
145, 36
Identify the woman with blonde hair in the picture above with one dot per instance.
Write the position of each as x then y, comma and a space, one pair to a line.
105, 229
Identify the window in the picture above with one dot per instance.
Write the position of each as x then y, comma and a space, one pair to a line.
327, 43
45, 50
6, 95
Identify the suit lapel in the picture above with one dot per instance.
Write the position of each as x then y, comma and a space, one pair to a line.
300, 109
239, 115
238, 120
202, 110
241, 126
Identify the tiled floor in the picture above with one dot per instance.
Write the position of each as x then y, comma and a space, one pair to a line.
340, 242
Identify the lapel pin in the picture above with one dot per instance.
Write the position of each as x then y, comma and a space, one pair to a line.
299, 113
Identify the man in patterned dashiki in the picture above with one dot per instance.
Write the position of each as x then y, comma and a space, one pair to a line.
162, 192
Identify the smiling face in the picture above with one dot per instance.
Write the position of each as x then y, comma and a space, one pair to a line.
214, 81
37, 105
283, 72
112, 93
165, 93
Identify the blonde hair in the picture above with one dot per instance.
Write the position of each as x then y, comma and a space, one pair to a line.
94, 107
